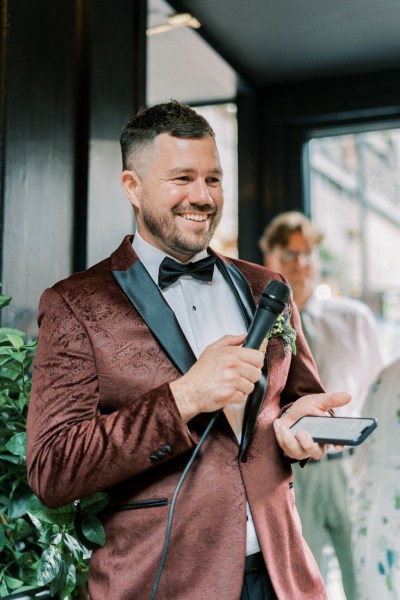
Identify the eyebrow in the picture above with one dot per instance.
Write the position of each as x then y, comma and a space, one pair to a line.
180, 170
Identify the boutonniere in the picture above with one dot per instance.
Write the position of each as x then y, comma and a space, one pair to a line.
284, 331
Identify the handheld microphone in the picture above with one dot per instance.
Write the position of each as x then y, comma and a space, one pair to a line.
273, 301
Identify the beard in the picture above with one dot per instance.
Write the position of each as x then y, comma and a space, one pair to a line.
166, 230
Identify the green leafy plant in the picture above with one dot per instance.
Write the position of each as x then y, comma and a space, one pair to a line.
39, 546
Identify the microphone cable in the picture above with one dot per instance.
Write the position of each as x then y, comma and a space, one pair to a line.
173, 501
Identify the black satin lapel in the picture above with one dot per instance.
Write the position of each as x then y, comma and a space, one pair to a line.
155, 312
240, 287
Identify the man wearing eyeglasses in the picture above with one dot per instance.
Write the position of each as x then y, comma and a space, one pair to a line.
341, 333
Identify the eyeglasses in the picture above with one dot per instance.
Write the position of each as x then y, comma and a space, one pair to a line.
291, 256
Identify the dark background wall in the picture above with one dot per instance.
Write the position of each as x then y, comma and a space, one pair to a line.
72, 73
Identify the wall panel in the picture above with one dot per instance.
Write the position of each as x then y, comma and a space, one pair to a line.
72, 73
38, 152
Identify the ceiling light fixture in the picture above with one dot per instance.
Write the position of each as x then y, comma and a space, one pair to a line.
175, 21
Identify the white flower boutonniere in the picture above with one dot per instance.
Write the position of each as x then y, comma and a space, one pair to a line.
284, 331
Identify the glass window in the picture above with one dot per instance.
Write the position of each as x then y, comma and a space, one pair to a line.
355, 201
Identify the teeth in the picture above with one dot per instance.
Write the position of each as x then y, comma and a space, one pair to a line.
195, 217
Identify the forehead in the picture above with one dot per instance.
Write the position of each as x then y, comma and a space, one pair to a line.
174, 152
298, 241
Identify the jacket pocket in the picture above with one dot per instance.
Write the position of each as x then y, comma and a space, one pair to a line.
153, 503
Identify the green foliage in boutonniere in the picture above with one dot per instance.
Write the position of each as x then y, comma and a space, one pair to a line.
284, 331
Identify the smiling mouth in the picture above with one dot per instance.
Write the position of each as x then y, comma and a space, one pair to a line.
199, 217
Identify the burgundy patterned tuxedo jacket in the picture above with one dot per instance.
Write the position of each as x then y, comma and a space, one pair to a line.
102, 418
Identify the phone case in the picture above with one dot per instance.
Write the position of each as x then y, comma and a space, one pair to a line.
344, 431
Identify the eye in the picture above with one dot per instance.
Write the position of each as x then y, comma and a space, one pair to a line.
183, 178
213, 181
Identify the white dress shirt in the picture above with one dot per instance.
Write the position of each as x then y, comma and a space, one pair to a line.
206, 311
344, 343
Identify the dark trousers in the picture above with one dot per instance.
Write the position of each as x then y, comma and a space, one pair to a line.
256, 583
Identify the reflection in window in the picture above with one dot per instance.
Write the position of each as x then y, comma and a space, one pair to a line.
355, 201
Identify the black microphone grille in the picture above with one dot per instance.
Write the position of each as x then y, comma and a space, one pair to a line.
275, 296
279, 289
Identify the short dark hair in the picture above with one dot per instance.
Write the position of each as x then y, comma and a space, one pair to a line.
277, 233
178, 120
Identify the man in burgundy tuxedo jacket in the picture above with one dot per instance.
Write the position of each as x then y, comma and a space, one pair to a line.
123, 389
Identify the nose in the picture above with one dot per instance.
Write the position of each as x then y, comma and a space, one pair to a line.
201, 193
303, 259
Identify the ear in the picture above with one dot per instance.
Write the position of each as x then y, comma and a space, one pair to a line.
131, 184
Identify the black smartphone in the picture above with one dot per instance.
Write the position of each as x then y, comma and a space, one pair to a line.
343, 431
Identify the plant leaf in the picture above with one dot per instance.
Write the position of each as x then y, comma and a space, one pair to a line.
52, 535
12, 583
21, 530
12, 459
3, 589
49, 565
89, 530
69, 577
4, 300
3, 538
72, 545
15, 340
94, 503
63, 515
5, 330
18, 355
17, 444
36, 522
9, 384
61, 583
20, 503
93, 529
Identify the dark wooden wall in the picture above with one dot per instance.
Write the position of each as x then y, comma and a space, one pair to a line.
71, 74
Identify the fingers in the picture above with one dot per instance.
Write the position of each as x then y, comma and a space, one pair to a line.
307, 445
225, 373
315, 404
238, 380
297, 446
336, 399
229, 340
234, 342
326, 401
249, 371
243, 388
237, 398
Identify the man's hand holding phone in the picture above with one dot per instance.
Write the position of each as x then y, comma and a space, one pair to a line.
301, 445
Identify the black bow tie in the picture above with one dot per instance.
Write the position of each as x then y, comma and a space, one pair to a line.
170, 270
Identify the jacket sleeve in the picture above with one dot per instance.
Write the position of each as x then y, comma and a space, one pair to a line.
72, 448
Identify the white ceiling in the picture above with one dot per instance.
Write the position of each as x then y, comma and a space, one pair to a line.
181, 65
268, 41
